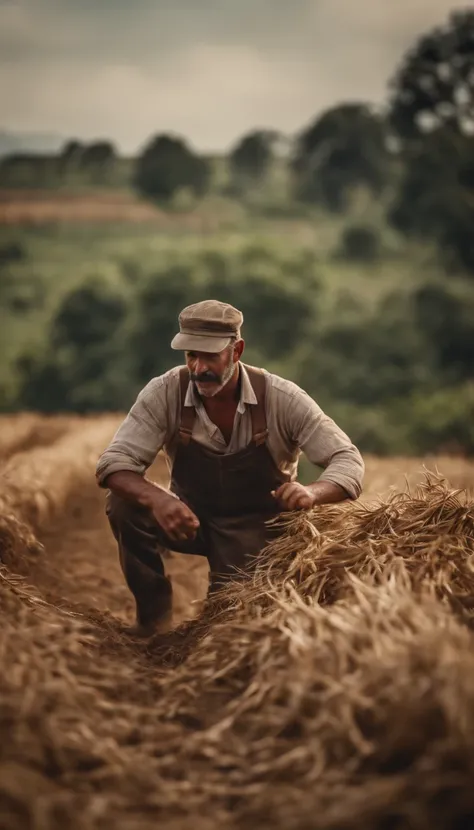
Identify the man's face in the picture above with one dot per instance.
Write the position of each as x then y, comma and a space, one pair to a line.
211, 371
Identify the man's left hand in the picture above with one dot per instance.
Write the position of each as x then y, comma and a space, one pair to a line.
294, 496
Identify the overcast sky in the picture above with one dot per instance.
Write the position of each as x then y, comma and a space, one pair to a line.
208, 69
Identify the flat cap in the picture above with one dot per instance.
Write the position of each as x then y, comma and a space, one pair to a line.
208, 326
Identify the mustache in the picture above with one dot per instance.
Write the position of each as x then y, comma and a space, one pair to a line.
205, 377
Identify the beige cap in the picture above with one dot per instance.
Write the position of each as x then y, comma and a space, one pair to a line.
207, 327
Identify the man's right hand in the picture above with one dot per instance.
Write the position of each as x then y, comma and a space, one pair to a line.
175, 517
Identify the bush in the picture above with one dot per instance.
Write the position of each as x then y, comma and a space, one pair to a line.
166, 166
84, 366
443, 421
444, 314
11, 252
359, 243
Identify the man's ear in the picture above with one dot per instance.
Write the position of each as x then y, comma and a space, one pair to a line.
238, 350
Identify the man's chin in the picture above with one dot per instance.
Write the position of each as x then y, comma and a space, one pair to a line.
208, 390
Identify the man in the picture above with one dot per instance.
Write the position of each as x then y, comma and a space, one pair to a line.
232, 435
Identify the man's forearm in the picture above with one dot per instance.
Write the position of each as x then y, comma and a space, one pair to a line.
134, 487
325, 492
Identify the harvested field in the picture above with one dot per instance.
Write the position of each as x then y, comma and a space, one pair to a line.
23, 432
334, 689
37, 207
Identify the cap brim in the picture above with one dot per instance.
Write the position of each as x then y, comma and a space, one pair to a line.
198, 343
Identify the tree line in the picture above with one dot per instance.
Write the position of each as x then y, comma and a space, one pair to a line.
416, 153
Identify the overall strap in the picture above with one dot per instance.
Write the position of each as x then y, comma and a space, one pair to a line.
257, 411
187, 413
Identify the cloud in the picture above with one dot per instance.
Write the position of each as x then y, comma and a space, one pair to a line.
145, 29
209, 69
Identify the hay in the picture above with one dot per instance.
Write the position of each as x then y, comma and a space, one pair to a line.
358, 714
332, 689
22, 432
431, 531
385, 476
36, 484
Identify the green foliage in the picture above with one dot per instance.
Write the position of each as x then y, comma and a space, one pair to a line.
11, 252
345, 147
276, 311
360, 243
444, 315
167, 165
369, 359
28, 170
443, 421
72, 151
88, 315
252, 156
83, 365
372, 352
434, 86
436, 195
158, 303
97, 155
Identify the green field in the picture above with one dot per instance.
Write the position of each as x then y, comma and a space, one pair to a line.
89, 309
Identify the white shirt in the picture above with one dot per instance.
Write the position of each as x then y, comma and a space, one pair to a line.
295, 424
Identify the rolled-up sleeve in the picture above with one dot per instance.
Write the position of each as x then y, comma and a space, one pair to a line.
140, 437
326, 445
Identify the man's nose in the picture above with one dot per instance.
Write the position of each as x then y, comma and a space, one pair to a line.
201, 366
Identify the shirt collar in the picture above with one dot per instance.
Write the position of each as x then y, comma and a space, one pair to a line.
247, 395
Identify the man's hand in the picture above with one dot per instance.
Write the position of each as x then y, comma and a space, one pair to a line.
175, 517
294, 496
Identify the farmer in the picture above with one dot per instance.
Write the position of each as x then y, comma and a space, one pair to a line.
232, 435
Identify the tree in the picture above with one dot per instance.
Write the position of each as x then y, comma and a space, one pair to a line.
434, 86
70, 156
345, 147
88, 315
159, 300
97, 155
252, 156
84, 366
28, 170
445, 317
167, 165
71, 151
436, 195
278, 308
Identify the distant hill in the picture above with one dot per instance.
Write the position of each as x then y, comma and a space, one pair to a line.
12, 142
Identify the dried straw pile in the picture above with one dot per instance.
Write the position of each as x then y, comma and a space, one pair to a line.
27, 430
354, 711
35, 484
334, 689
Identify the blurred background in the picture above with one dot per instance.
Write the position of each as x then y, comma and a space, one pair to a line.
310, 162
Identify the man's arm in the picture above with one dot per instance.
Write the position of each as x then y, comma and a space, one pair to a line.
296, 496
175, 517
140, 437
325, 445
134, 447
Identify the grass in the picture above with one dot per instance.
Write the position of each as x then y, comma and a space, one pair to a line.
58, 257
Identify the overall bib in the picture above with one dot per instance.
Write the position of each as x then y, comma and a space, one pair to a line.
230, 494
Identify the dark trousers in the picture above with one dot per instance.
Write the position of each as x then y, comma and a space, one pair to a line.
230, 544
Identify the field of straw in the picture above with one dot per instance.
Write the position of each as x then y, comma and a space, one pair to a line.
333, 689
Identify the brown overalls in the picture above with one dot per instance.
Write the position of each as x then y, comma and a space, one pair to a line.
230, 494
